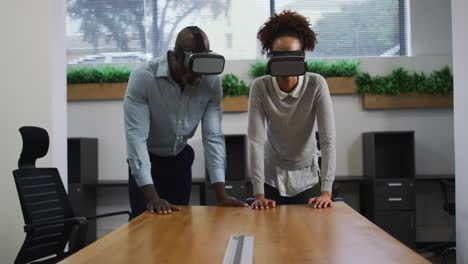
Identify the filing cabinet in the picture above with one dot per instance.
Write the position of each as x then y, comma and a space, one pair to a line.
82, 179
387, 192
394, 194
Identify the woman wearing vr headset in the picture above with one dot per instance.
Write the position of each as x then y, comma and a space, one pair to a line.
285, 104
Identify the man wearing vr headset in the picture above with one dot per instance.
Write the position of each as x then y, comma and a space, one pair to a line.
286, 103
165, 101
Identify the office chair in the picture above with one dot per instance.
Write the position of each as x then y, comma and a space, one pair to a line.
448, 191
50, 222
448, 204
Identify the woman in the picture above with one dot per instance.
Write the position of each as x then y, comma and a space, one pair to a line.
282, 114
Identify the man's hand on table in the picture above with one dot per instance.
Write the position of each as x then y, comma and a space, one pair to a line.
261, 202
231, 201
155, 204
160, 206
322, 201
224, 199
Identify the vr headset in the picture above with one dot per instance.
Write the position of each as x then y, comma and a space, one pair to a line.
287, 63
200, 60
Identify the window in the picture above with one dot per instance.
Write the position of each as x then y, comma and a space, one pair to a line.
126, 31
112, 31
354, 27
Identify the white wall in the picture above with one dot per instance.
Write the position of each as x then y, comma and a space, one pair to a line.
430, 28
460, 56
434, 137
32, 68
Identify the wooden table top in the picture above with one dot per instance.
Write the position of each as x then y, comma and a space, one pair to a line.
285, 234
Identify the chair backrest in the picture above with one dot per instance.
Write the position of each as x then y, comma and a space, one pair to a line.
35, 146
448, 191
43, 199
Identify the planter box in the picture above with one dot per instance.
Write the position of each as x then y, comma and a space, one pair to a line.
96, 91
116, 91
341, 85
235, 103
406, 101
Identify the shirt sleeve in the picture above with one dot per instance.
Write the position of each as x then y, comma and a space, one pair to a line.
256, 138
137, 123
213, 136
326, 128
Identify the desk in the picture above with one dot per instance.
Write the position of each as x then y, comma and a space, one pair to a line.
286, 234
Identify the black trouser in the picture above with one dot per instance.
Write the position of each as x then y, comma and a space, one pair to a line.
300, 198
172, 177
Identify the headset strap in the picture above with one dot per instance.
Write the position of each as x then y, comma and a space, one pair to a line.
197, 36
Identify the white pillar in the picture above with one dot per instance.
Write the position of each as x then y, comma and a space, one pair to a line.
33, 92
460, 68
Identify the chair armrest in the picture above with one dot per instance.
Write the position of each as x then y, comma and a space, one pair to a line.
74, 220
109, 214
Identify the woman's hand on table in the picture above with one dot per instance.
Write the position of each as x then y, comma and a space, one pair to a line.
261, 203
322, 201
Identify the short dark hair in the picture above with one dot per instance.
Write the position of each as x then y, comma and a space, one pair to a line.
185, 40
287, 23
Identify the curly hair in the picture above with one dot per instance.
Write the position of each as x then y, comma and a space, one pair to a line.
287, 23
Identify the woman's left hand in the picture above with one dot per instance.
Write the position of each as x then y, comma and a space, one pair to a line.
322, 201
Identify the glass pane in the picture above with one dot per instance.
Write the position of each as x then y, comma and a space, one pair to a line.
127, 31
351, 27
113, 31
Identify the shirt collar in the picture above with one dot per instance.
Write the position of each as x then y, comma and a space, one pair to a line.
163, 70
163, 67
295, 93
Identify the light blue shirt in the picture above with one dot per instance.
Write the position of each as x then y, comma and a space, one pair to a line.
160, 118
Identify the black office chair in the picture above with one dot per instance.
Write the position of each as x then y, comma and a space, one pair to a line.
448, 191
50, 222
448, 204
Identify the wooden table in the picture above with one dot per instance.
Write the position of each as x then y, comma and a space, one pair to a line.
286, 234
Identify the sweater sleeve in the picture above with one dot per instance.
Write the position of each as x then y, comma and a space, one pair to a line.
256, 137
326, 128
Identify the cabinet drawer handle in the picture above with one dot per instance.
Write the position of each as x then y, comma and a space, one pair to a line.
395, 184
395, 199
228, 187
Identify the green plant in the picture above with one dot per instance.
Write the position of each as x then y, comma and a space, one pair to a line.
258, 69
336, 68
106, 74
232, 86
439, 82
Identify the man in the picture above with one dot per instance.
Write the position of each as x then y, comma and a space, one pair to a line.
164, 103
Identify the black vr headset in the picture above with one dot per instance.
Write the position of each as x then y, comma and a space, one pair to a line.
287, 63
200, 60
